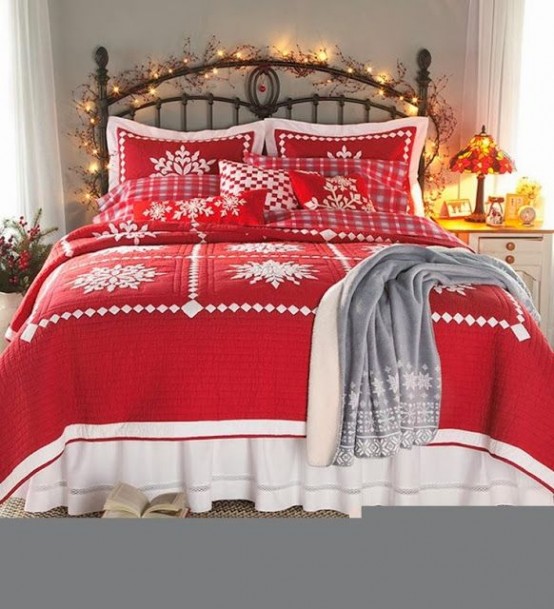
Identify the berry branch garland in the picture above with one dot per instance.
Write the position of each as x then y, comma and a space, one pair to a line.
140, 85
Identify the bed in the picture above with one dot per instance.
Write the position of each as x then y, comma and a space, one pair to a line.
175, 355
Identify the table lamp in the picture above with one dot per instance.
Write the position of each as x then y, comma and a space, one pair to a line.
483, 157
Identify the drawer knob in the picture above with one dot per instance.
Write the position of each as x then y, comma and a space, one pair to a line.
510, 259
510, 246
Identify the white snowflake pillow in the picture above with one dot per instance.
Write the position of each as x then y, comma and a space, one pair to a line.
236, 177
315, 191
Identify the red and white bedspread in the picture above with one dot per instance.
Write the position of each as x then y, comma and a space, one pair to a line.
159, 332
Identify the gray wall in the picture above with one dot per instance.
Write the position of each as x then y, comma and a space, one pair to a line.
381, 31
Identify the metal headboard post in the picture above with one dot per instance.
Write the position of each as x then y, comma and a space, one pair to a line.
101, 58
261, 108
423, 80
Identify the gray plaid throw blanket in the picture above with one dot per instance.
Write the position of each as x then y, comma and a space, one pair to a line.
389, 366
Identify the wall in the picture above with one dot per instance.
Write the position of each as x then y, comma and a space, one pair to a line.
381, 31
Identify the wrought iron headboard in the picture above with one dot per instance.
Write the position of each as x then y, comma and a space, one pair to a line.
259, 107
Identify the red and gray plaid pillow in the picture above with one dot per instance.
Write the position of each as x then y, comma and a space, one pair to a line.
386, 180
117, 204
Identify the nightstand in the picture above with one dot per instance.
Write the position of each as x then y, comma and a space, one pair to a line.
530, 250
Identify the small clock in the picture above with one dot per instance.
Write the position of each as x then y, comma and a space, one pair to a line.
527, 215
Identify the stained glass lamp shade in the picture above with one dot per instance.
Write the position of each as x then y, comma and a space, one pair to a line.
483, 157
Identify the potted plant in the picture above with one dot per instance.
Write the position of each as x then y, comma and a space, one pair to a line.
22, 255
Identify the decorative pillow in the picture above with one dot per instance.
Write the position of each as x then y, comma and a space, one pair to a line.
338, 192
236, 177
117, 204
138, 151
386, 180
246, 208
395, 140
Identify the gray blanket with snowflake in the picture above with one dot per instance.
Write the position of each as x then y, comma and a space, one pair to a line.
389, 365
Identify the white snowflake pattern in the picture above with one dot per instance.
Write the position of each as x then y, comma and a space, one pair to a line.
378, 387
158, 210
230, 204
265, 248
417, 380
455, 289
393, 381
126, 230
344, 153
191, 209
116, 277
182, 163
273, 272
342, 194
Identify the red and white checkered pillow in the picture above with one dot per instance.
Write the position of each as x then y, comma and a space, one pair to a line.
395, 140
117, 204
236, 177
246, 208
386, 180
139, 151
314, 191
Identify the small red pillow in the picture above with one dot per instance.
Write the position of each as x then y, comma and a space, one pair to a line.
246, 208
338, 192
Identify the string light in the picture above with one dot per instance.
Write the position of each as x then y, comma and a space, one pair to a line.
116, 89
94, 168
220, 53
215, 71
369, 69
152, 90
322, 55
350, 70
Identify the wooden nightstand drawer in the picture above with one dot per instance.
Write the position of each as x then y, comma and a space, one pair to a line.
500, 247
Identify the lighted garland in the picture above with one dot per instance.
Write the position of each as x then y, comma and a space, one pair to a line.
139, 85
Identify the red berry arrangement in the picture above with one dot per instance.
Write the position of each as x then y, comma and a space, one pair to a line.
22, 252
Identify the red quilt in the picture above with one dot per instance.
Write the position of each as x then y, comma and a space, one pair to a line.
158, 331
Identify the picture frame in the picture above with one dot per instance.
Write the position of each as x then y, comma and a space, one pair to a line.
458, 208
511, 206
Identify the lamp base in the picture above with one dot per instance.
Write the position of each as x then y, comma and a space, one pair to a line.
478, 214
476, 217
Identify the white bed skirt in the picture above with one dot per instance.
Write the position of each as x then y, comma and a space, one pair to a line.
273, 473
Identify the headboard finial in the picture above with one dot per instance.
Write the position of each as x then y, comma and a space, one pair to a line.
424, 59
101, 57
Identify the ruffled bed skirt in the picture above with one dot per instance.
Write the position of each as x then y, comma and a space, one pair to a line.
273, 473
